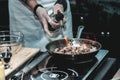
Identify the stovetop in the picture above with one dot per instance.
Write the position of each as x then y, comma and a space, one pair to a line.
55, 69
51, 68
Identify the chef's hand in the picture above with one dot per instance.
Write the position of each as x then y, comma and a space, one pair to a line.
56, 9
45, 19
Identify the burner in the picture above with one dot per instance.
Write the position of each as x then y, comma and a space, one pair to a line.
81, 67
54, 73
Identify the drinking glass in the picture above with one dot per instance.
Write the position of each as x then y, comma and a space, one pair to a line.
10, 43
6, 58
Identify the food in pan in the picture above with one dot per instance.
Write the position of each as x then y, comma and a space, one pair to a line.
83, 48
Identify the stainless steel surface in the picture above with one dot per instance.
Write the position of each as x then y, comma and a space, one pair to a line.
35, 62
101, 54
78, 36
79, 32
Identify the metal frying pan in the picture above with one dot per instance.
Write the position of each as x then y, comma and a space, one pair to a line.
62, 43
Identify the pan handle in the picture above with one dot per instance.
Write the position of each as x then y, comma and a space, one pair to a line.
80, 29
76, 42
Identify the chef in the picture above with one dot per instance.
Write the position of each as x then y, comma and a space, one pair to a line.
31, 17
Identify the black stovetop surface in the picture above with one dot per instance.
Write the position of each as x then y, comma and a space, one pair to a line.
59, 69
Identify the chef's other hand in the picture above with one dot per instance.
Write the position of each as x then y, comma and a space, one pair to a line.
45, 19
58, 9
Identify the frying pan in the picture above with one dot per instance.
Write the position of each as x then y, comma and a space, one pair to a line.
77, 41
81, 57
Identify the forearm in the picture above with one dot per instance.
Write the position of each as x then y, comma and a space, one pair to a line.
30, 3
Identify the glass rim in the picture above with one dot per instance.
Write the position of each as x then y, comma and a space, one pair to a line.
11, 32
10, 39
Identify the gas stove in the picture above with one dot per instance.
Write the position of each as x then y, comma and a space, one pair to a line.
51, 68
